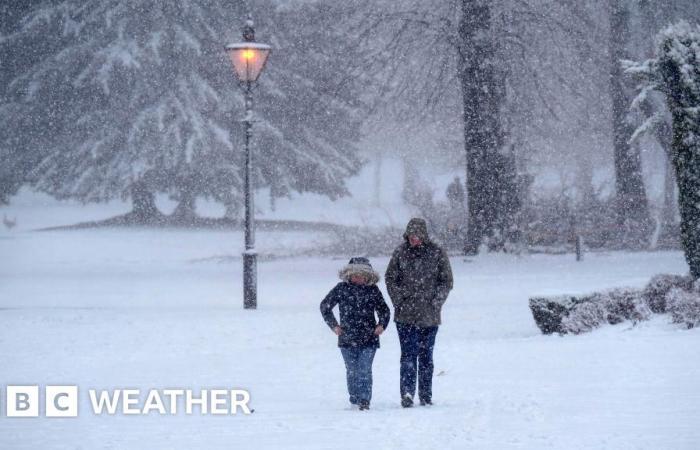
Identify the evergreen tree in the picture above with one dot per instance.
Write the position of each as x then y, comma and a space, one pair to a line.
129, 99
17, 162
675, 71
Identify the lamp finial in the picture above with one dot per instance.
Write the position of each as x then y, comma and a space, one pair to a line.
248, 31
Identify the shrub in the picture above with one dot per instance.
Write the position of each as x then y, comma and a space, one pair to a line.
684, 306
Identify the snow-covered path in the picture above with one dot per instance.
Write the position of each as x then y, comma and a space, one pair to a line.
117, 309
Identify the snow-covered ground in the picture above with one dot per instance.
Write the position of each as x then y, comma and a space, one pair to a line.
149, 309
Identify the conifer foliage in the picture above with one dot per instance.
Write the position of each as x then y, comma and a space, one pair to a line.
111, 98
675, 71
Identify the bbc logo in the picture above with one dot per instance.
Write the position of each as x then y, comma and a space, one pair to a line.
24, 401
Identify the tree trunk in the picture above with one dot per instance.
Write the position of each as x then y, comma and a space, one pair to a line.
143, 201
184, 212
632, 209
481, 100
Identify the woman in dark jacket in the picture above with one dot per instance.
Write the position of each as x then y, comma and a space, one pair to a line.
358, 299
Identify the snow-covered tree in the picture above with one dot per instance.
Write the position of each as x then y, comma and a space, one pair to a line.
675, 71
129, 99
17, 161
631, 198
488, 70
312, 106
650, 112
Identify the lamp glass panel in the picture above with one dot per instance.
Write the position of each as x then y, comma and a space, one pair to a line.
248, 63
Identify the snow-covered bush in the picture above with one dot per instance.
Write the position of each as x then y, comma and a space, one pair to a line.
675, 294
684, 305
655, 293
586, 316
625, 304
613, 307
549, 312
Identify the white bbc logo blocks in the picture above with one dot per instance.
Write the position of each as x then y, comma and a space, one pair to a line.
22, 401
59, 401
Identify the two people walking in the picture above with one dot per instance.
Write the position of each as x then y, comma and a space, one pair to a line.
418, 280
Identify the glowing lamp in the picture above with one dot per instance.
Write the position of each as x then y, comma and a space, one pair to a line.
248, 59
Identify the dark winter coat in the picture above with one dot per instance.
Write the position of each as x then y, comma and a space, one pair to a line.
418, 279
357, 304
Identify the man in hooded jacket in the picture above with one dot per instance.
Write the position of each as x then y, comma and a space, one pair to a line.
418, 279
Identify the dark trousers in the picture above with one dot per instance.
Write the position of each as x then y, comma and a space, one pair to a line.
417, 356
358, 370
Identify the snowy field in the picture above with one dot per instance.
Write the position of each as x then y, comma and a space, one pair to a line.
146, 309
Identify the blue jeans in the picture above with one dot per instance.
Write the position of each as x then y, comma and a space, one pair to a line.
358, 368
416, 356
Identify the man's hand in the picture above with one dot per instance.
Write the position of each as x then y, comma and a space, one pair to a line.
378, 330
337, 330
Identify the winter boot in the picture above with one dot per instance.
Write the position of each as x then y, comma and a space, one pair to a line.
364, 406
407, 400
426, 402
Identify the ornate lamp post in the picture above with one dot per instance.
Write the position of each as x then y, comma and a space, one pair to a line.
248, 59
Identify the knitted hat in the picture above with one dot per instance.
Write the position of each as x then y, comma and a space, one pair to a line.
359, 265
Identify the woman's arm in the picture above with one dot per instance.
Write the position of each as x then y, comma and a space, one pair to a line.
382, 309
327, 306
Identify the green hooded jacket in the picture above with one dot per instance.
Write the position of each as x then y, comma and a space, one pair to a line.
418, 279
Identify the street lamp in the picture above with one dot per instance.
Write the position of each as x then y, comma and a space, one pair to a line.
248, 59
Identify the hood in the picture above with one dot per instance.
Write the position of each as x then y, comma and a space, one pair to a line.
418, 227
359, 266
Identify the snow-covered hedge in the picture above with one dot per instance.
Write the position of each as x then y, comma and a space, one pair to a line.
684, 305
548, 312
655, 294
584, 317
664, 293
569, 314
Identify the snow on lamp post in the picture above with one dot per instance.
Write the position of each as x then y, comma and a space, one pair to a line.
248, 59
